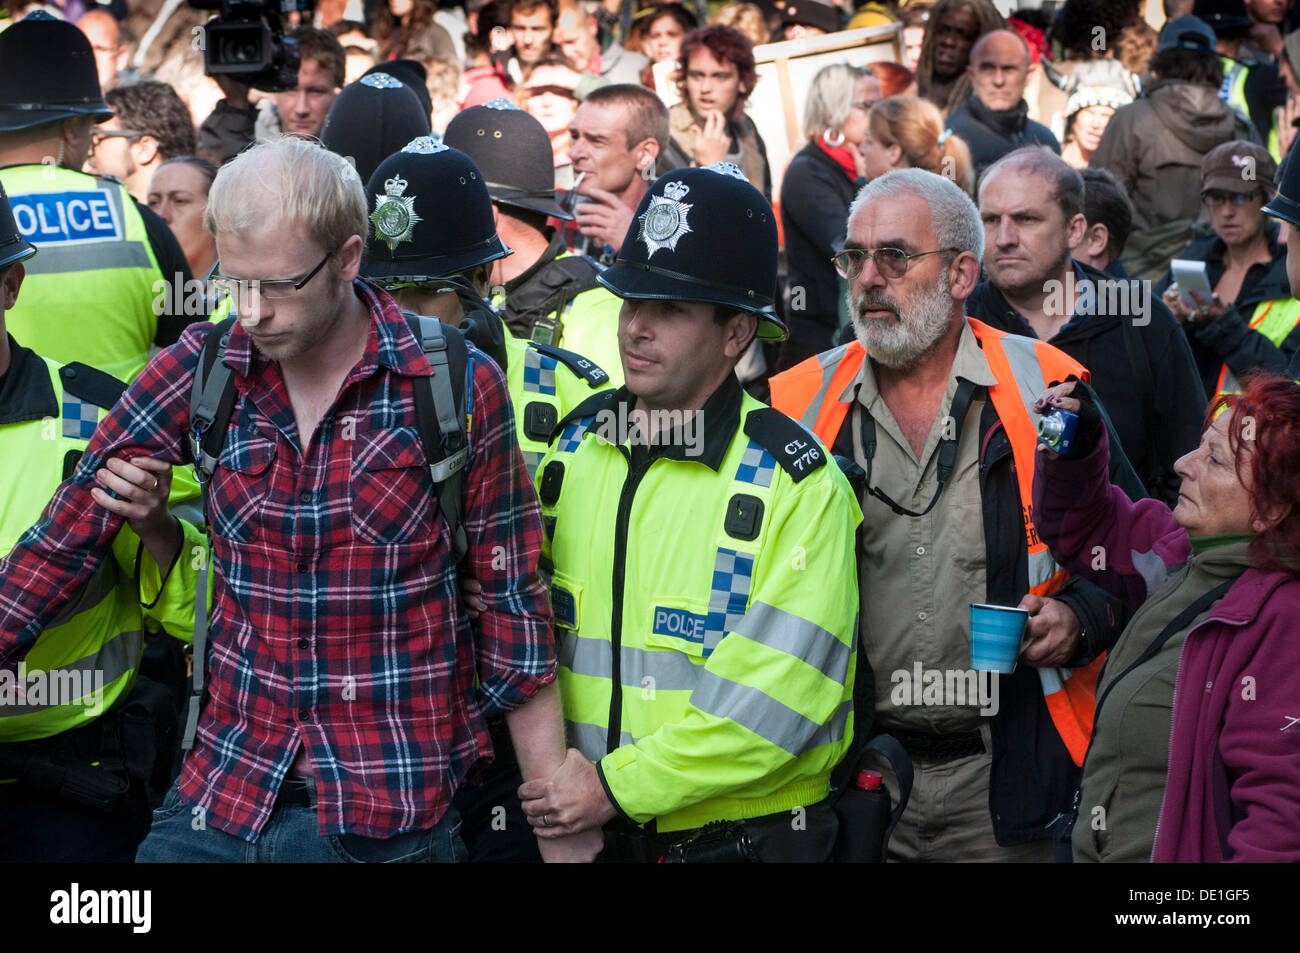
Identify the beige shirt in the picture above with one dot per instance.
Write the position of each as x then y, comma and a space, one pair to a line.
918, 575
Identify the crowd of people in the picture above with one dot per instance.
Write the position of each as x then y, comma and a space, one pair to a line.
482, 448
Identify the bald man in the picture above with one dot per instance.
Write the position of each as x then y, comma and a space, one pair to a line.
995, 120
101, 29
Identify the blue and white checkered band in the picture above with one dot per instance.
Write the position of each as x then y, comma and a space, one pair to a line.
500, 103
539, 372
729, 595
757, 466
571, 437
664, 220
79, 418
380, 81
727, 168
425, 146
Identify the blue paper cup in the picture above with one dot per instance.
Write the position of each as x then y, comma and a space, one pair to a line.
995, 636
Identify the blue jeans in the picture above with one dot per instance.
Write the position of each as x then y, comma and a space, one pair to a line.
291, 836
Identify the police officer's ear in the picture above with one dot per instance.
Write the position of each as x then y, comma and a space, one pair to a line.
741, 328
74, 147
11, 279
481, 278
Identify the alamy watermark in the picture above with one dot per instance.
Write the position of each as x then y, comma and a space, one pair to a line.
953, 687
659, 428
1125, 297
53, 689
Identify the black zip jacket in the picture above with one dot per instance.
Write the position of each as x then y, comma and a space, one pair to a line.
1144, 374
815, 199
1229, 339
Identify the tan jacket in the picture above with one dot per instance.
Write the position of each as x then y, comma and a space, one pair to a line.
680, 153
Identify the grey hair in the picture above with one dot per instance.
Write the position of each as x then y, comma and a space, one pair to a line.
830, 97
953, 216
290, 181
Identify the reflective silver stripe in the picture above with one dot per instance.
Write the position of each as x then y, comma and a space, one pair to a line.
1023, 358
590, 739
532, 460
1042, 567
796, 636
833, 730
757, 711
96, 589
829, 361
92, 256
671, 671
114, 659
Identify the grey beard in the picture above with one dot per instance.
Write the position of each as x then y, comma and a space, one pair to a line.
902, 345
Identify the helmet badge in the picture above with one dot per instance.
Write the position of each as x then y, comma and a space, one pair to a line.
394, 216
664, 222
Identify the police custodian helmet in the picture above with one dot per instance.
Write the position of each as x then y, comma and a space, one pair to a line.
430, 215
514, 152
702, 235
1286, 203
47, 72
371, 119
13, 247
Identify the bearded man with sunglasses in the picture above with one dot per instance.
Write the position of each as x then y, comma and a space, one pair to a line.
931, 405
347, 695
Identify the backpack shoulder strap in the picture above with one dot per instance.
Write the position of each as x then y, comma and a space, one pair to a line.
211, 403
443, 406
212, 400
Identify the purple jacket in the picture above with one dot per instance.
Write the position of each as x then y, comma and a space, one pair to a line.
1233, 789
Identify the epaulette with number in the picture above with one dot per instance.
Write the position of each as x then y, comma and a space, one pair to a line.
795, 449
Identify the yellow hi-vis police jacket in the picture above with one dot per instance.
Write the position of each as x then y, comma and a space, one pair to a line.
705, 602
545, 383
93, 292
85, 660
588, 324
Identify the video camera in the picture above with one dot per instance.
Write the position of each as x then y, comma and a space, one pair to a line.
246, 41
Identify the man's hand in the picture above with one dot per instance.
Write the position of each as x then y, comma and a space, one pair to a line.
712, 142
1053, 632
143, 486
235, 91
604, 218
471, 593
574, 849
570, 801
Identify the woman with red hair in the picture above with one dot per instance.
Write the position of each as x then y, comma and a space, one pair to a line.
1195, 752
716, 74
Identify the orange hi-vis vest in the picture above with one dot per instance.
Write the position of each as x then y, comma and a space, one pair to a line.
809, 392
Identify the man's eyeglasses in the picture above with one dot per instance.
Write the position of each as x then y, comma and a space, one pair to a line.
1218, 199
890, 262
266, 287
99, 135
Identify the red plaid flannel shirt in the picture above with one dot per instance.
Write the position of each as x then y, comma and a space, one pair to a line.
336, 620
